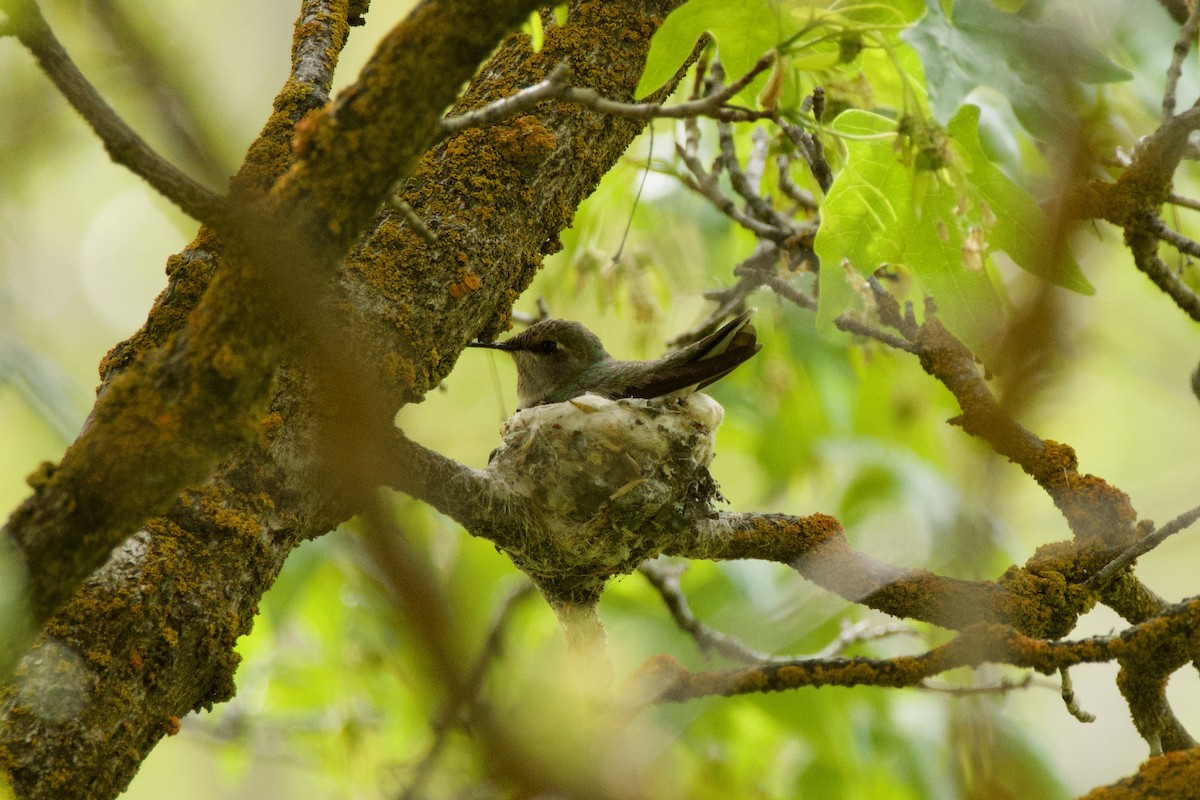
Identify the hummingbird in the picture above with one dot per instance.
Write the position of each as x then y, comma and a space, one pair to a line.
558, 359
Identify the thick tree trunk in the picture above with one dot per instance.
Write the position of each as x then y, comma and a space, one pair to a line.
150, 636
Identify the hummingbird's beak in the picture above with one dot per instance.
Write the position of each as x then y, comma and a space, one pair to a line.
492, 345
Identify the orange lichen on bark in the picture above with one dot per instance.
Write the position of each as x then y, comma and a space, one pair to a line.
467, 283
524, 140
1171, 776
1096, 510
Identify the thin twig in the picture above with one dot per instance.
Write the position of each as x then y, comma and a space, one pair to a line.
848, 324
1069, 700
756, 163
1183, 44
1003, 687
1180, 200
802, 198
412, 217
168, 86
552, 87
760, 207
889, 310
1143, 244
1102, 578
713, 105
731, 300
858, 632
123, 145
665, 579
1177, 240
452, 715
814, 153
706, 183
555, 87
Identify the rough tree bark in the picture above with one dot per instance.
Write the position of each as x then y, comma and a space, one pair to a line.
288, 339
149, 637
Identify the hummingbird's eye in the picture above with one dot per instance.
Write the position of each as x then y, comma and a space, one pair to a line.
546, 348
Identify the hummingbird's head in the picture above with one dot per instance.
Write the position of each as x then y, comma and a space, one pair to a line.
552, 356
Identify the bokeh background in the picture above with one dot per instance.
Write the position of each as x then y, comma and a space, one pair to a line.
331, 700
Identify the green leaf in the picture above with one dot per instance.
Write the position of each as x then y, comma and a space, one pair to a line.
1027, 62
880, 211
941, 225
744, 31
1020, 229
533, 26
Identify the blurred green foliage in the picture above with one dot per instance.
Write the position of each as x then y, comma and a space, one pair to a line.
336, 700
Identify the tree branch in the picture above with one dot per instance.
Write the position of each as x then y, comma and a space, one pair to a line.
1095, 510
816, 547
1187, 35
666, 681
1105, 576
195, 577
164, 424
665, 579
1141, 236
123, 145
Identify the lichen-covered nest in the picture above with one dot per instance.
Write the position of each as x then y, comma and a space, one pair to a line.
608, 484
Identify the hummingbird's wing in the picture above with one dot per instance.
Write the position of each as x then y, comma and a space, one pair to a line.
700, 363
691, 374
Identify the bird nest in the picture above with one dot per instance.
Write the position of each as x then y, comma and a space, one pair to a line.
608, 484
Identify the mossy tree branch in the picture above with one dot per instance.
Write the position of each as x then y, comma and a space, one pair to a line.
980, 644
165, 421
182, 591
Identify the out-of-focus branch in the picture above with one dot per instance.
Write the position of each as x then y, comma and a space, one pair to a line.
452, 716
417, 594
1095, 510
198, 573
123, 145
314, 55
171, 92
